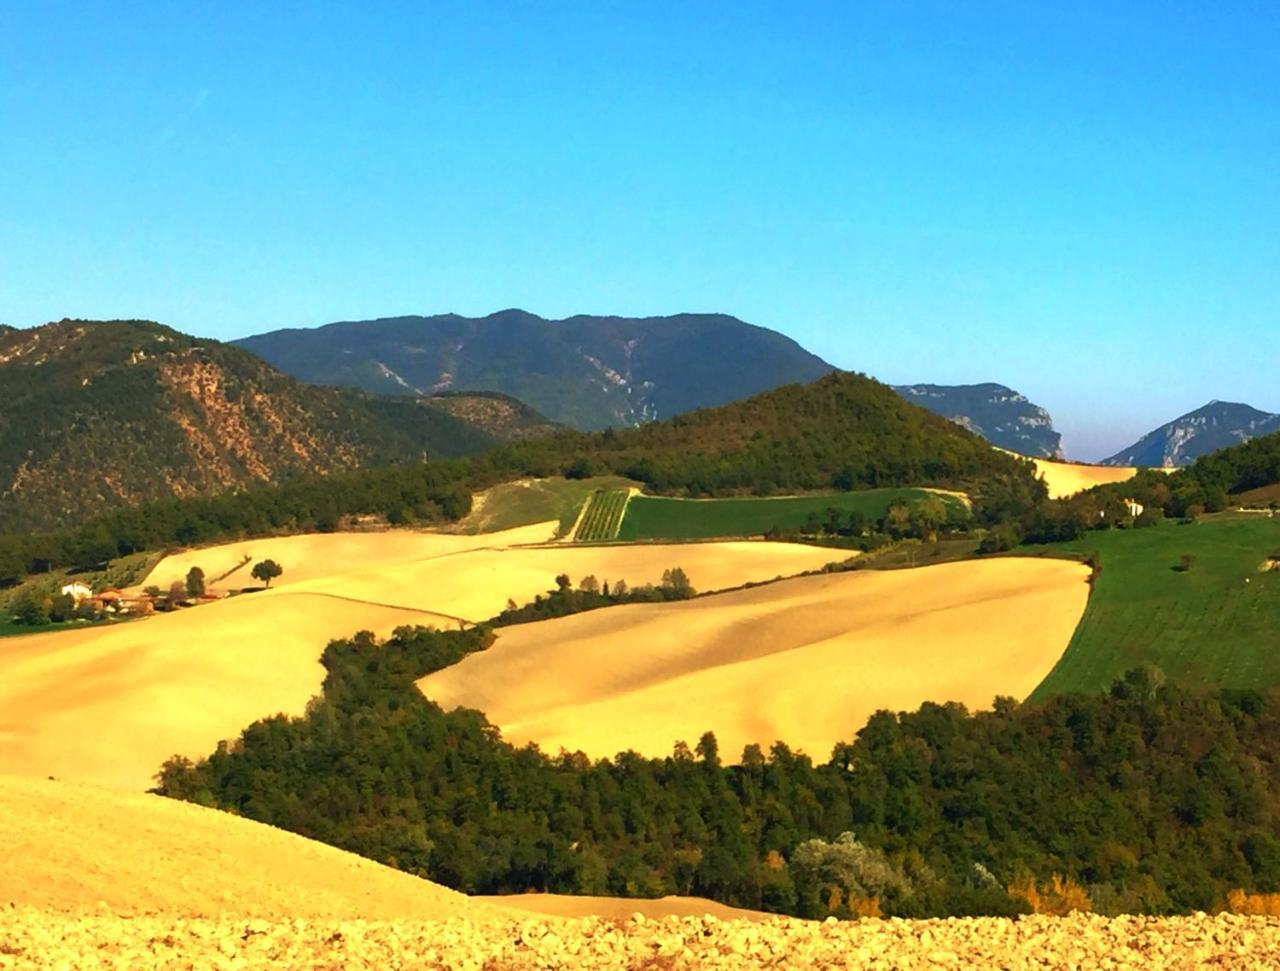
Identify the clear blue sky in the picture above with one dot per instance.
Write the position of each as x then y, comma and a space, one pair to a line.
1081, 200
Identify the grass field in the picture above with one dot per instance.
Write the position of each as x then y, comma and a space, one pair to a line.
1216, 623
535, 501
650, 517
602, 517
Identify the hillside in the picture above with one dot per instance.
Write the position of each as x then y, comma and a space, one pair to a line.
843, 432
97, 415
1199, 602
108, 704
1000, 415
804, 661
1219, 424
88, 850
585, 371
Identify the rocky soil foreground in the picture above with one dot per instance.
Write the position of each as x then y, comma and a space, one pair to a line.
36, 938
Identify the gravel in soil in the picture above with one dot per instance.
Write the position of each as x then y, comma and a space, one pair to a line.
39, 938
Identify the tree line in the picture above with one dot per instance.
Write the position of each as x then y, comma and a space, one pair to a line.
1149, 798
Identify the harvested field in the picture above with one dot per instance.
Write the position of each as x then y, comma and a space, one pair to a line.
1068, 478
109, 704
83, 849
41, 939
620, 908
476, 585
804, 660
312, 555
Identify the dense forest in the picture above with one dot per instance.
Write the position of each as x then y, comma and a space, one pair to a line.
1148, 798
842, 432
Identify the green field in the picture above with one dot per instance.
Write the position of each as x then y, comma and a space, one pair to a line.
1217, 623
650, 517
534, 501
602, 517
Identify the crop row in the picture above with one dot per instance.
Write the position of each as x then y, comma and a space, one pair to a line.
603, 516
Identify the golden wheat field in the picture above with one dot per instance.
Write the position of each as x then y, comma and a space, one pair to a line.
108, 704
806, 660
477, 584
314, 555
84, 848
1067, 478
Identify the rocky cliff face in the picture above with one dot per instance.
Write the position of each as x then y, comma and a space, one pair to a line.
1219, 424
1000, 415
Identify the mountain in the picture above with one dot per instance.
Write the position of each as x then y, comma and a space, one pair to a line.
1219, 424
844, 431
1000, 415
94, 415
587, 372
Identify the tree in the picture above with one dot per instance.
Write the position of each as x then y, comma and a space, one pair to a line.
266, 571
675, 583
62, 607
31, 608
580, 468
589, 584
195, 583
177, 593
563, 583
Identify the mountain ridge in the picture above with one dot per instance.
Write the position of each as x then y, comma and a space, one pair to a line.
996, 412
96, 414
587, 371
1216, 425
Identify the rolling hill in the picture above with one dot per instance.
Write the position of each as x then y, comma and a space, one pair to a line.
97, 415
587, 372
1000, 415
843, 432
806, 661
1219, 424
107, 704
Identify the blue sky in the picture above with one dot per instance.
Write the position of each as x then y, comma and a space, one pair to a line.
1080, 200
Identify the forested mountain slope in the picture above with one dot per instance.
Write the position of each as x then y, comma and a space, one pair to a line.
99, 415
843, 432
588, 372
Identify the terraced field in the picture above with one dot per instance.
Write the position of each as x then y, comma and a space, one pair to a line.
1215, 622
652, 517
602, 517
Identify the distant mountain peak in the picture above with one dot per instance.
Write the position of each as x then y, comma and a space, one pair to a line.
1218, 424
998, 413
588, 371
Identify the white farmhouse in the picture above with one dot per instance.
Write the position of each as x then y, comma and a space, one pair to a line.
78, 591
